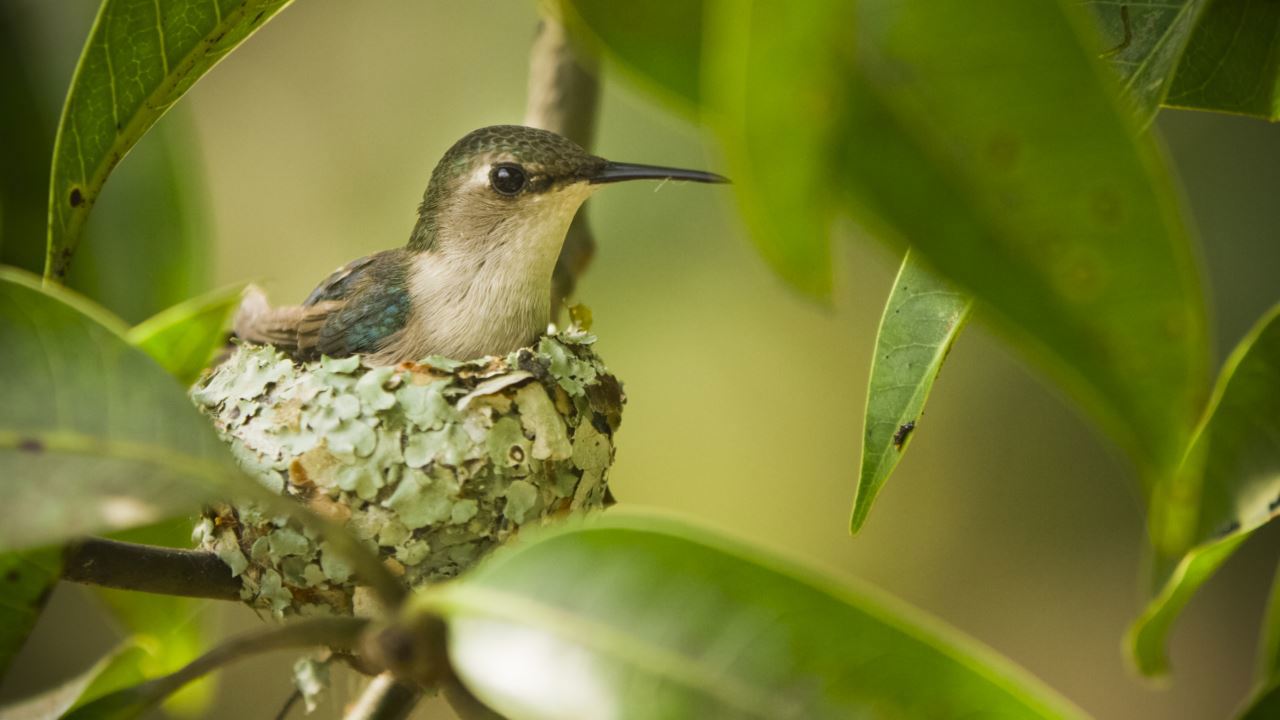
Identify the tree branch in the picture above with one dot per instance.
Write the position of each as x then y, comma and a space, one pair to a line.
385, 699
339, 632
289, 702
148, 568
563, 94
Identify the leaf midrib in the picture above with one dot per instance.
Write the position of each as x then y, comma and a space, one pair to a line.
71, 442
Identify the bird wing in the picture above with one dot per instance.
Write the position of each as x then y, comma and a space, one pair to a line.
339, 282
354, 310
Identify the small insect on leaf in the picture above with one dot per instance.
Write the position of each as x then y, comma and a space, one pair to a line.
904, 431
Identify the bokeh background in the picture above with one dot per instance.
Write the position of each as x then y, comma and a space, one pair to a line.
1011, 518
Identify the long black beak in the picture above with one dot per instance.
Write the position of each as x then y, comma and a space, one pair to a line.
617, 172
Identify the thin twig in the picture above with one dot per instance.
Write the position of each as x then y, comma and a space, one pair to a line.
563, 94
289, 702
340, 632
385, 699
563, 89
148, 568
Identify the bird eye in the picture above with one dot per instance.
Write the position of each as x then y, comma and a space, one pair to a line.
507, 179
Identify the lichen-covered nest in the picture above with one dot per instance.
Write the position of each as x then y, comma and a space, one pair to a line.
431, 464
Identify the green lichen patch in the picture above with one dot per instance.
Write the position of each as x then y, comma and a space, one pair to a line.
430, 464
425, 406
522, 501
311, 678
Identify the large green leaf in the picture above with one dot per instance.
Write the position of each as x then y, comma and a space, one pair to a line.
921, 321
94, 435
184, 338
786, 186
627, 37
992, 142
979, 138
1269, 649
115, 670
789, 207
124, 701
170, 632
26, 578
1264, 706
141, 56
1232, 63
112, 689
1239, 490
633, 617
1265, 702
1145, 40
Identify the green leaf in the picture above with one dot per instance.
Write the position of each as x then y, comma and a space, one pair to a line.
130, 700
627, 38
1239, 490
922, 319
153, 224
141, 56
1146, 639
661, 45
185, 337
94, 435
785, 184
26, 578
1269, 649
1265, 705
1265, 702
978, 138
113, 671
992, 143
628, 616
1145, 39
1232, 62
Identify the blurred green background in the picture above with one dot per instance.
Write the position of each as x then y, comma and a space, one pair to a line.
1012, 519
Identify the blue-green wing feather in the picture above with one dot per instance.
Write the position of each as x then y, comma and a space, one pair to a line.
342, 281
368, 303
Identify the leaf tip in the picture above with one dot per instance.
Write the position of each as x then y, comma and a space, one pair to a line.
857, 519
864, 494
1145, 654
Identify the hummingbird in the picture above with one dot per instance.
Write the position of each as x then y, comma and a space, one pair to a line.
475, 277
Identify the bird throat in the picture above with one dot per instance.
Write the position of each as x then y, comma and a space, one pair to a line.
489, 293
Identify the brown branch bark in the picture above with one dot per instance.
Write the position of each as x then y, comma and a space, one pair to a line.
147, 568
564, 92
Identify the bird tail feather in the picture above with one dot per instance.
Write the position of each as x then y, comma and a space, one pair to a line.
295, 329
257, 322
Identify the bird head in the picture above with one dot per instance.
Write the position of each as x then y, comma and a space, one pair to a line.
515, 190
